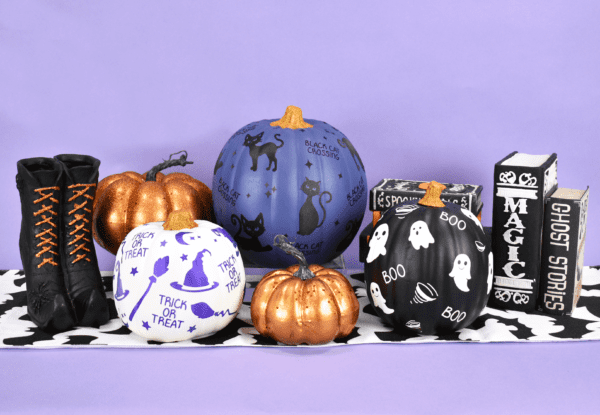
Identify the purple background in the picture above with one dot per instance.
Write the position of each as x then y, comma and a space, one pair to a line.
424, 90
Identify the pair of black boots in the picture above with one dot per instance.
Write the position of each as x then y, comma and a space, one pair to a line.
64, 286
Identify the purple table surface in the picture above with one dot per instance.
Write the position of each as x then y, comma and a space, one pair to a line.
548, 378
437, 90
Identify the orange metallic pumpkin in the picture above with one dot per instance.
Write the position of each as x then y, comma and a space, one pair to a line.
303, 304
126, 200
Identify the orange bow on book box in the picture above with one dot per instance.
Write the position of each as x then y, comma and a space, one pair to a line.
127, 200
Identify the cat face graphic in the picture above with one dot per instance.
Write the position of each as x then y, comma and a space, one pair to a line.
250, 140
310, 187
255, 227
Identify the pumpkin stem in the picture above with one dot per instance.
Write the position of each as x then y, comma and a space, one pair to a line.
303, 272
181, 161
291, 119
178, 220
433, 194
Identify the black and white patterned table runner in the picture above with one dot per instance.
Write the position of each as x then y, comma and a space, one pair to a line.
17, 330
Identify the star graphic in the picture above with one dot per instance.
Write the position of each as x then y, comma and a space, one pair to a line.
268, 193
308, 164
183, 257
234, 152
266, 184
163, 243
134, 271
340, 175
337, 222
273, 189
192, 329
146, 325
248, 195
232, 166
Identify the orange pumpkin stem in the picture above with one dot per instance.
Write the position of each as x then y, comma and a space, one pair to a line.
178, 220
291, 119
433, 194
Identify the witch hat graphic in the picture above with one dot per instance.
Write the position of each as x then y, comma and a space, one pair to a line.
196, 279
120, 295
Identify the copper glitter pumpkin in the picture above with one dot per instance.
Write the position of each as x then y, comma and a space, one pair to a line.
127, 200
304, 304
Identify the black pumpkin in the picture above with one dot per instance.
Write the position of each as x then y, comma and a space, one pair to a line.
429, 266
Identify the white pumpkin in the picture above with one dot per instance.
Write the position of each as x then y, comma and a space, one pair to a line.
178, 280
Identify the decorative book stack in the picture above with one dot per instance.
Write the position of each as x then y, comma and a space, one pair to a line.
562, 250
390, 192
521, 184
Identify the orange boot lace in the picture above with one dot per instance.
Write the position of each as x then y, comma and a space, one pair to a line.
48, 236
81, 231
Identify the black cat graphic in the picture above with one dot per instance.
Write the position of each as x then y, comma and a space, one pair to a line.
253, 228
345, 143
309, 217
219, 163
270, 149
352, 228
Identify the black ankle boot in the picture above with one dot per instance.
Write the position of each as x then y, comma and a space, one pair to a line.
39, 184
78, 255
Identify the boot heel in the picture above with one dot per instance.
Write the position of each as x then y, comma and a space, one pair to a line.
95, 310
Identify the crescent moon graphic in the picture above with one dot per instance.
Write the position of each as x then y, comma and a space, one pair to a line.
179, 238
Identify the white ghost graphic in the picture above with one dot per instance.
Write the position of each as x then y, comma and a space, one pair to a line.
490, 271
378, 299
461, 272
471, 216
420, 235
377, 242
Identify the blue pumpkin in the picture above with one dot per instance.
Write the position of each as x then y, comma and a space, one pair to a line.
302, 179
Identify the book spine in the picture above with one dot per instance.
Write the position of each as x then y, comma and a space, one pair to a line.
559, 257
518, 208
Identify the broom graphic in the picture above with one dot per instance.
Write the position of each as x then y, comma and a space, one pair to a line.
161, 266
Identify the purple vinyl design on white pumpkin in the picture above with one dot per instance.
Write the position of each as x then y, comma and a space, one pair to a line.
161, 266
196, 279
120, 294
